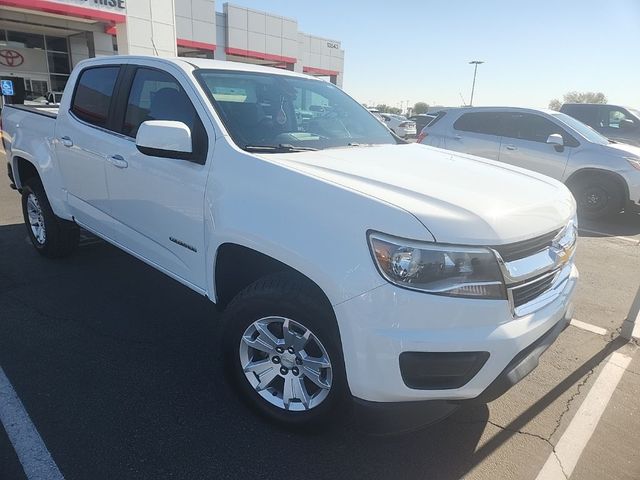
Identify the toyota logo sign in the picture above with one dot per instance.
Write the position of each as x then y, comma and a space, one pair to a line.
11, 58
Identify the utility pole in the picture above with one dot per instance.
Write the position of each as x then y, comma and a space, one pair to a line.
475, 64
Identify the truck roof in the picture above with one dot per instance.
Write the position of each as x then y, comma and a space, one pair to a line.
188, 63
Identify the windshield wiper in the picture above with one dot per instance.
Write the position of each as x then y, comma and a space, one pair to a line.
281, 148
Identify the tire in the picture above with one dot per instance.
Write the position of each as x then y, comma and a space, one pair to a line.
50, 235
597, 196
272, 302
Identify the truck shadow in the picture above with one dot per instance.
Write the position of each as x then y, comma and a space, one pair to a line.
119, 368
622, 224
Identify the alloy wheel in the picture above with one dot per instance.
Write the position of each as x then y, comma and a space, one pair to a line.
286, 363
36, 219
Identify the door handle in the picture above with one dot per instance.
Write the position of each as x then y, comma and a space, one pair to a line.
66, 141
511, 147
457, 137
118, 161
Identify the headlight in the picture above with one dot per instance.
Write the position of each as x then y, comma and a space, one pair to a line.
438, 269
634, 162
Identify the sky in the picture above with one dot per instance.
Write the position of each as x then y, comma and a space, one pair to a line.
534, 51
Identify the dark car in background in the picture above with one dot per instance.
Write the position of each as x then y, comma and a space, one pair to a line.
621, 124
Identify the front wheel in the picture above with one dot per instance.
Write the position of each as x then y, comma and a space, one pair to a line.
597, 197
50, 235
283, 352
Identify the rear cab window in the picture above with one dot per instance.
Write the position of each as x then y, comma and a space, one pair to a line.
94, 91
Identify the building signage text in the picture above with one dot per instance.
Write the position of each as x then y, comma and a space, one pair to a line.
111, 4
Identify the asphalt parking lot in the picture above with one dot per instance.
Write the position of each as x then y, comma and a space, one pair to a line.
118, 369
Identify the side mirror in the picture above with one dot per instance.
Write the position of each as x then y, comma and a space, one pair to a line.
556, 140
626, 124
165, 138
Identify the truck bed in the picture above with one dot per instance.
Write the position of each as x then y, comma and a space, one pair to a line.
46, 110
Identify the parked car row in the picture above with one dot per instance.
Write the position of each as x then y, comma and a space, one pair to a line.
603, 175
399, 125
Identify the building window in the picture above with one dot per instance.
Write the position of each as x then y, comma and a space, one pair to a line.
57, 44
56, 67
25, 40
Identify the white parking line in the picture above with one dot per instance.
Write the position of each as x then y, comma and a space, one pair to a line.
588, 327
562, 462
33, 454
596, 232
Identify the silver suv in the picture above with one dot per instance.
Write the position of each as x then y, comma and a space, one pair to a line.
604, 176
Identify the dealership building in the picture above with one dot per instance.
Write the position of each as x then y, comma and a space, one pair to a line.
42, 40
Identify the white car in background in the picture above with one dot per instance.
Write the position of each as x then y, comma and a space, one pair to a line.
399, 125
604, 176
376, 113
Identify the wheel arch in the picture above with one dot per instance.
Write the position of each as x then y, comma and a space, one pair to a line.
589, 171
23, 170
237, 267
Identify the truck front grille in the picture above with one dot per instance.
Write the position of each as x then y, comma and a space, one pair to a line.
525, 248
529, 291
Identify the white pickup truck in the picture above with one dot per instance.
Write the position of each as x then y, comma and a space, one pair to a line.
354, 269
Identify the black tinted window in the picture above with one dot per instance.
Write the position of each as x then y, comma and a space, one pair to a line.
585, 113
156, 95
534, 128
478, 122
93, 94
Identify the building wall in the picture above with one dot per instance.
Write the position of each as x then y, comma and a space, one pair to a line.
252, 32
196, 22
149, 29
318, 54
158, 27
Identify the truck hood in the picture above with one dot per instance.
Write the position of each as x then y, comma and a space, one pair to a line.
459, 198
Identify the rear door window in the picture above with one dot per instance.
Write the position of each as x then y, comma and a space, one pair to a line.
94, 91
478, 122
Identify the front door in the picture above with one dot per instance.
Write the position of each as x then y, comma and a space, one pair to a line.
157, 203
524, 144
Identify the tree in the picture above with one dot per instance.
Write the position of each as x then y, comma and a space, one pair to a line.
578, 97
555, 104
420, 107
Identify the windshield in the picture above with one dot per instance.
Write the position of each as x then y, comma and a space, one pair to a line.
587, 132
635, 112
265, 110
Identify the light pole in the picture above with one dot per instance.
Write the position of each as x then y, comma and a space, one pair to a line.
631, 325
475, 64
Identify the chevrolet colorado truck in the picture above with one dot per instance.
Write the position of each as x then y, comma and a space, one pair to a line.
353, 269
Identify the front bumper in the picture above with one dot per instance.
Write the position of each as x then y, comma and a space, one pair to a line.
378, 326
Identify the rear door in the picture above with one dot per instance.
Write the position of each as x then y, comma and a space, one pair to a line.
158, 202
84, 132
524, 143
475, 133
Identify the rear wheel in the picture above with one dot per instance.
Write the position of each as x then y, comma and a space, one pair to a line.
597, 196
50, 235
283, 352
